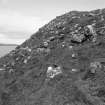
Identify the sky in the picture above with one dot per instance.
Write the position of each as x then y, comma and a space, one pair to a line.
19, 19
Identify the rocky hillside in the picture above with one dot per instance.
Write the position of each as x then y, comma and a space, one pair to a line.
61, 64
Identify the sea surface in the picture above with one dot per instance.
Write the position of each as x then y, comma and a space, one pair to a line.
6, 49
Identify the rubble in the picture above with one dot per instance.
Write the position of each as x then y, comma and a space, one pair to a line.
52, 72
25, 61
92, 32
94, 66
91, 29
29, 57
2, 69
70, 47
73, 55
63, 44
42, 50
78, 37
17, 59
92, 14
11, 70
76, 25
74, 70
51, 38
4, 65
102, 18
45, 44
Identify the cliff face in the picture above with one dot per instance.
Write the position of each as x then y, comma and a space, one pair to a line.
61, 64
